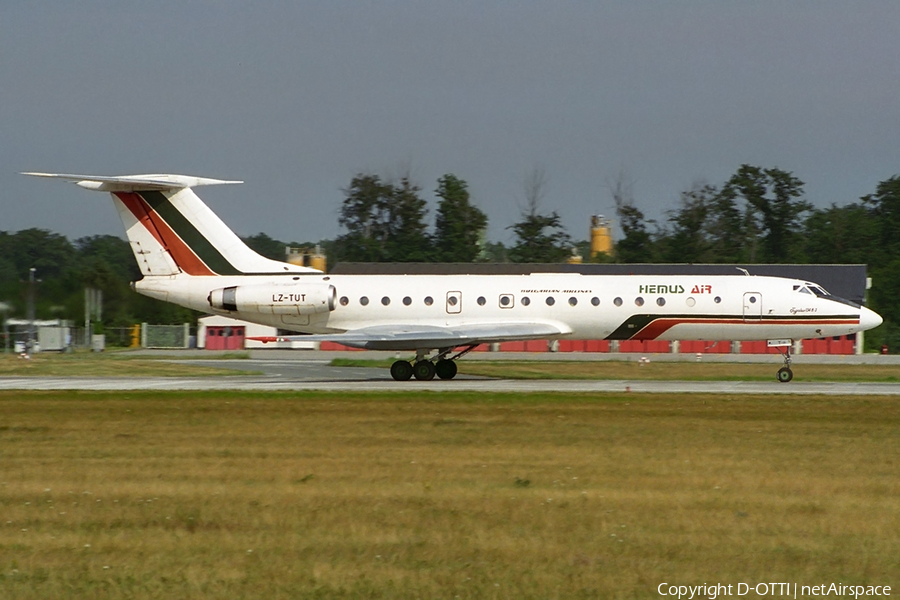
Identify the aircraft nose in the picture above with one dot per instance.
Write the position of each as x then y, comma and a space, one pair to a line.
868, 319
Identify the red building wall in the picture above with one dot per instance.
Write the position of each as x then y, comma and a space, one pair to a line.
842, 345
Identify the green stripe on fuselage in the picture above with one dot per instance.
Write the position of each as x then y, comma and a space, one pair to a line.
631, 326
195, 240
636, 323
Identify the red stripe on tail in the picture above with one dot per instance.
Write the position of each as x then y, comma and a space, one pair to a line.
184, 257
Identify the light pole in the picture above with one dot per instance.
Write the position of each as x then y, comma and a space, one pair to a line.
29, 349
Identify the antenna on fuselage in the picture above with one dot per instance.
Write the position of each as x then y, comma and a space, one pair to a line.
744, 271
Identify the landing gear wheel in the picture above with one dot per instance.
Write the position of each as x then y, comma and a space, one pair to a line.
424, 370
401, 370
445, 369
784, 373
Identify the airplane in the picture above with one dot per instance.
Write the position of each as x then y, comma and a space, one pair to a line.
188, 256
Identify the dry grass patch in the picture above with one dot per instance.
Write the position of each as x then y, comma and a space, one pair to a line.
86, 364
160, 495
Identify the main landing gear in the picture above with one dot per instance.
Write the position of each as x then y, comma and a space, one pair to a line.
401, 370
424, 369
785, 374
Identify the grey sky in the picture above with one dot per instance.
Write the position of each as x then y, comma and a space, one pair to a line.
296, 97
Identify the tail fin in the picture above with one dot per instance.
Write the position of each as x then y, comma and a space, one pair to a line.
172, 231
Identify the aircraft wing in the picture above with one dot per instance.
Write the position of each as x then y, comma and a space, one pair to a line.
414, 337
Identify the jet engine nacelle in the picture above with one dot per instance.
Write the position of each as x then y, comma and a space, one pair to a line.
276, 298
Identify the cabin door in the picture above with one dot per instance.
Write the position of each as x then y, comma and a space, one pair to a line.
752, 306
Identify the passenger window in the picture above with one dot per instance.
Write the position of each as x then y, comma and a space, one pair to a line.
526, 300
595, 301
573, 301
364, 300
385, 300
717, 300
481, 301
639, 301
345, 300
550, 301
407, 301
506, 301
429, 300
660, 301
617, 302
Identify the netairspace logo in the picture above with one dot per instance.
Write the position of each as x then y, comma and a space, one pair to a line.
790, 590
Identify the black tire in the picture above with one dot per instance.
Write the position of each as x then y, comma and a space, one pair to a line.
785, 374
445, 369
401, 370
424, 370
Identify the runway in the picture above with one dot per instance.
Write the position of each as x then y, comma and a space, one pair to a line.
311, 372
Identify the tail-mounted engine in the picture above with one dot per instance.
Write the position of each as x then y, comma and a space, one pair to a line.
275, 299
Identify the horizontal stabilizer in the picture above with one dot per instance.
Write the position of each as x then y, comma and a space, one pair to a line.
134, 183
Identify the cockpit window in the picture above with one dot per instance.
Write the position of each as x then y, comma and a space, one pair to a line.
820, 292
814, 288
803, 290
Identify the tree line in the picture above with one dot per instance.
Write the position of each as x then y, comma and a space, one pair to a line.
64, 268
385, 222
758, 215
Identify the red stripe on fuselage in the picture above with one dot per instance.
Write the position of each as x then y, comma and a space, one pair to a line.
184, 257
659, 326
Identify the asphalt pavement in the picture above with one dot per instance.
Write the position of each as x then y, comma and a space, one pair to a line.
309, 370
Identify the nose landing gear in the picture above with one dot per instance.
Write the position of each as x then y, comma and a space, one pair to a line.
785, 374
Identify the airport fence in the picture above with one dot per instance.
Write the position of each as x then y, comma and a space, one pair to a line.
116, 337
165, 336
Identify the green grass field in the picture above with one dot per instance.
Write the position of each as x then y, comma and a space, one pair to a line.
682, 371
440, 495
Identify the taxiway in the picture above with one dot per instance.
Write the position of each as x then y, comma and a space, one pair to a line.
313, 372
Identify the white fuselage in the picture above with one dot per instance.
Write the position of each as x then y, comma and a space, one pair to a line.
661, 307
